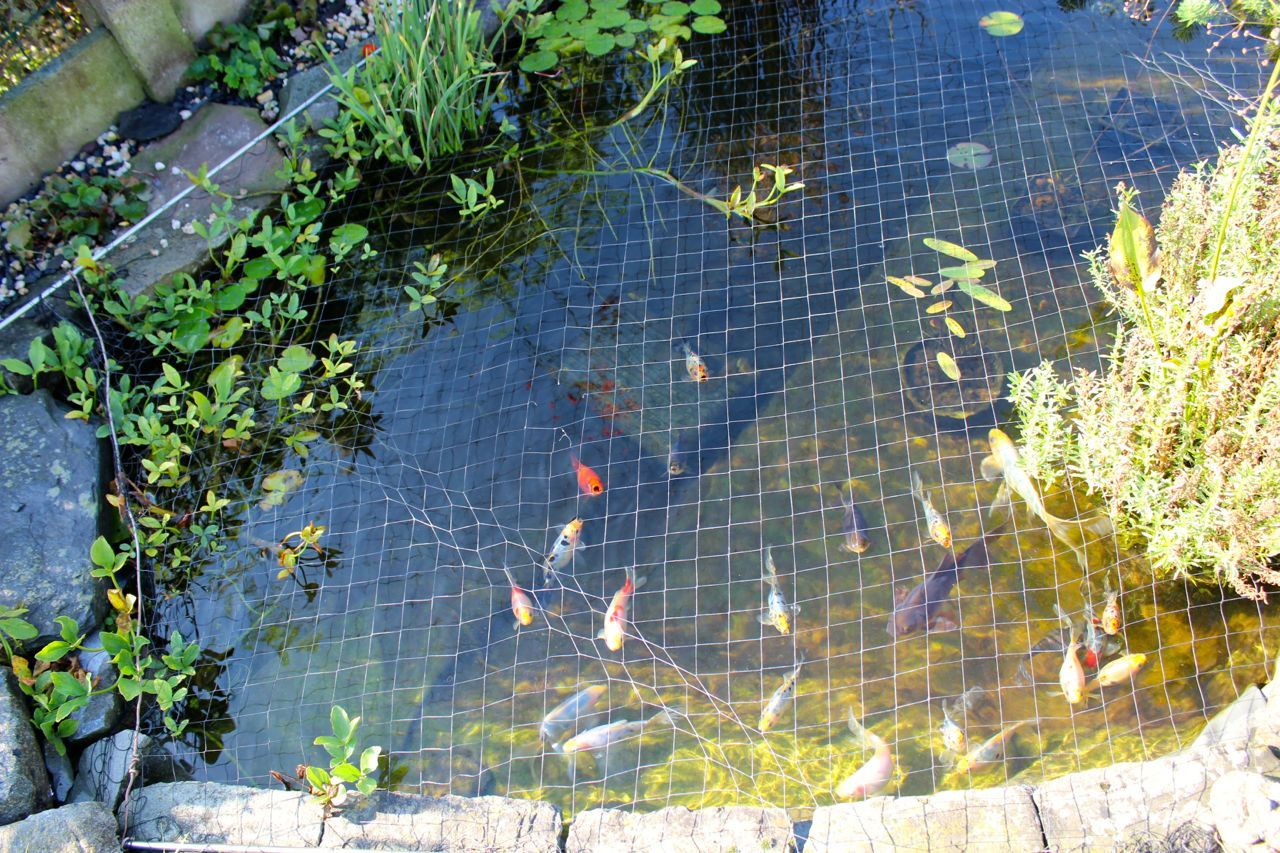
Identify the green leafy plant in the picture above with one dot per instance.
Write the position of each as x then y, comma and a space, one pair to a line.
598, 27
473, 198
241, 61
429, 88
329, 786
70, 207
430, 280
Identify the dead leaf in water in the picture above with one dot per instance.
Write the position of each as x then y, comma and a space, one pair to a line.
948, 365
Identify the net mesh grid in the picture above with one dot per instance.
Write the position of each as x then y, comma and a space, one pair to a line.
567, 340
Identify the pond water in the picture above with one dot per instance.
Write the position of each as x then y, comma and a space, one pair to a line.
561, 334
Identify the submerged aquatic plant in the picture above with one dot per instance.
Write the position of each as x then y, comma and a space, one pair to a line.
1180, 435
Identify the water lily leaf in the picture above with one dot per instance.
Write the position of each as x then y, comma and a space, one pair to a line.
968, 271
350, 234
705, 7
295, 359
625, 39
598, 44
607, 19
635, 25
708, 25
942, 287
948, 365
1001, 24
954, 325
969, 155
906, 286
572, 10
938, 307
539, 60
953, 250
985, 296
675, 8
277, 485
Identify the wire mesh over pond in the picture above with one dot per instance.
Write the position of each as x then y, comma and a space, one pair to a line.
566, 333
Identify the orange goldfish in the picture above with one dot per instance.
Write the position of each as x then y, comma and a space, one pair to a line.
1110, 621
937, 522
695, 365
1071, 675
522, 604
615, 618
588, 480
1120, 669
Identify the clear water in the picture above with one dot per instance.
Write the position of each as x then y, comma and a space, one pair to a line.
561, 334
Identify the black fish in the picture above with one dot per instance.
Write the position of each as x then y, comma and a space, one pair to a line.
918, 607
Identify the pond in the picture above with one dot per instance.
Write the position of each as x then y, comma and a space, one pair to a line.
562, 336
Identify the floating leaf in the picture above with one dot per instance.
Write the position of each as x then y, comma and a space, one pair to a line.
917, 280
985, 296
277, 485
598, 44
938, 307
539, 60
969, 155
1001, 24
983, 264
295, 359
625, 39
675, 8
708, 25
350, 234
942, 287
572, 10
607, 19
705, 7
951, 249
635, 25
968, 271
954, 325
906, 286
948, 365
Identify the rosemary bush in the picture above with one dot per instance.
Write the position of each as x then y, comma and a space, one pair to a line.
1180, 436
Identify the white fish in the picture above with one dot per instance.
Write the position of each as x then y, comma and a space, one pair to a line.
776, 611
872, 777
602, 736
566, 715
562, 552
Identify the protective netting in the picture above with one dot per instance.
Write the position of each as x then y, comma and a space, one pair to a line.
562, 334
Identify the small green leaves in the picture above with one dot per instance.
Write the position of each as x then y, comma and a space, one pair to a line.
1001, 24
963, 273
277, 485
598, 27
705, 7
295, 359
950, 249
985, 296
707, 25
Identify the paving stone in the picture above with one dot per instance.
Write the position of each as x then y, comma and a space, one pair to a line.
388, 820
680, 830
988, 820
210, 813
78, 828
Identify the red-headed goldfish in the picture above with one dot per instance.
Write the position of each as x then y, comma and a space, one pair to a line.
614, 631
522, 604
588, 480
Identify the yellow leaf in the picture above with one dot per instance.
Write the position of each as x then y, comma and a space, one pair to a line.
948, 365
938, 307
950, 249
906, 286
954, 325
943, 287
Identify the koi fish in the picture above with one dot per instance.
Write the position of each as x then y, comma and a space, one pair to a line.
677, 455
855, 525
588, 480
522, 605
937, 523
772, 711
872, 777
614, 631
566, 715
954, 738
776, 611
694, 364
992, 750
610, 733
1111, 620
562, 552
917, 609
1120, 670
1071, 675
1005, 462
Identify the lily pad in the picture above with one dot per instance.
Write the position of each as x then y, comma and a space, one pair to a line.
539, 60
1001, 24
607, 19
708, 25
675, 8
906, 286
598, 44
635, 25
295, 359
705, 7
277, 485
948, 365
573, 10
950, 249
969, 155
985, 296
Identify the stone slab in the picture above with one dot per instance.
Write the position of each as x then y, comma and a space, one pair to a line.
24, 785
49, 477
78, 828
213, 134
200, 16
1104, 808
391, 821
210, 813
151, 36
680, 830
104, 768
1233, 739
989, 820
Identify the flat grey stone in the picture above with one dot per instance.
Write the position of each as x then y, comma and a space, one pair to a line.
388, 820
1230, 742
148, 121
15, 342
62, 774
104, 768
24, 787
680, 830
49, 471
78, 828
212, 135
302, 85
1102, 809
1244, 809
99, 717
210, 813
988, 819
